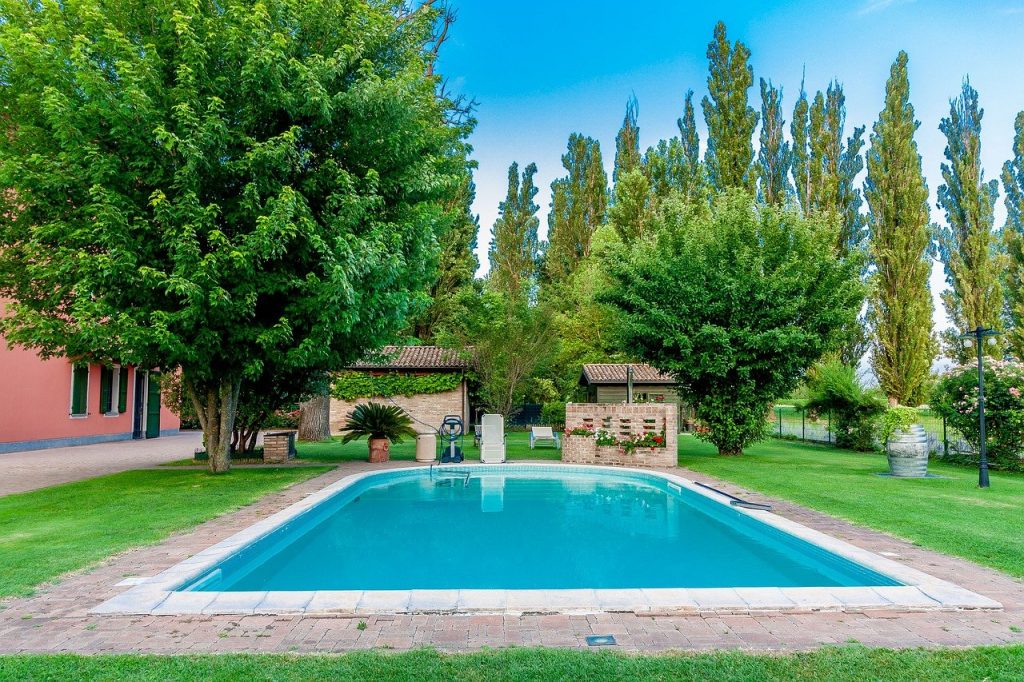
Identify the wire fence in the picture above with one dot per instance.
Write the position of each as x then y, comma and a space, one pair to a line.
795, 422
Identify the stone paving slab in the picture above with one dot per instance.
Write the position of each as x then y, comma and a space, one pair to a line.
57, 618
34, 469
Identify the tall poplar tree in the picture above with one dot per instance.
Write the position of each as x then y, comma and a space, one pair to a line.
631, 212
774, 157
457, 262
513, 253
825, 168
1013, 234
578, 204
729, 117
674, 165
900, 312
836, 166
800, 131
627, 142
967, 244
693, 178
663, 166
825, 171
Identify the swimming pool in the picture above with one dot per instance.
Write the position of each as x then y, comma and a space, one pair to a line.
527, 529
531, 537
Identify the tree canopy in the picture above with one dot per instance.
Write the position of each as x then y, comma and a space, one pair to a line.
219, 188
736, 301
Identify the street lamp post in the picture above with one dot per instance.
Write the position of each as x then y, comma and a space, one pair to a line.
976, 338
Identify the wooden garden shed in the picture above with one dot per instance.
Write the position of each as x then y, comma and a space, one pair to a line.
607, 383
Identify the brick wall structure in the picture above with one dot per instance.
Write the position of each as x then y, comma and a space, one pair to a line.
427, 410
278, 447
621, 421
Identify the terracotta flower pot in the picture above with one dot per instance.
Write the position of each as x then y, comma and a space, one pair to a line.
380, 450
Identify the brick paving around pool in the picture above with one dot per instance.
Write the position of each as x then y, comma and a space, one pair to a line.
56, 619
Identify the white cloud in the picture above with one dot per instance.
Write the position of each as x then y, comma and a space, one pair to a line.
873, 6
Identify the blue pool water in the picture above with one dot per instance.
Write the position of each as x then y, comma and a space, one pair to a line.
526, 528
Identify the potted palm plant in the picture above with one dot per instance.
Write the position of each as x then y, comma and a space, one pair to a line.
381, 424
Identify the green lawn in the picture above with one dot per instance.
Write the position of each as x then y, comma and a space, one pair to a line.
950, 514
833, 663
517, 446
46, 533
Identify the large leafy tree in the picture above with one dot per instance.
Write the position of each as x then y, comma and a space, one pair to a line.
729, 117
773, 158
509, 340
1013, 235
578, 205
736, 302
900, 307
219, 188
514, 250
967, 244
582, 324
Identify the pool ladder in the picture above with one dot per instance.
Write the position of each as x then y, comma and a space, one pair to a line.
464, 475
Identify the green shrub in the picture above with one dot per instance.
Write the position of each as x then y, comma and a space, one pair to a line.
898, 418
834, 388
553, 413
956, 398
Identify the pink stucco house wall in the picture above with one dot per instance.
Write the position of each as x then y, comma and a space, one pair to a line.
47, 403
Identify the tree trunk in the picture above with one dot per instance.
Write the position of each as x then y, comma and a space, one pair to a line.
216, 404
315, 418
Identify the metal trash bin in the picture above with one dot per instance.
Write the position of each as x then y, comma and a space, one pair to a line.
426, 447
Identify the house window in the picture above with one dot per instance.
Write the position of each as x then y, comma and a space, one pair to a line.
79, 390
106, 390
122, 390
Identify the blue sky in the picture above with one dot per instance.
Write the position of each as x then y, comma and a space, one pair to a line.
541, 70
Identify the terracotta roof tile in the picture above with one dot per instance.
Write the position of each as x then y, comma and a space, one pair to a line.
616, 374
413, 357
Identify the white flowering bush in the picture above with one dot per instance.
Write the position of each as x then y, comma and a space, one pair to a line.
956, 399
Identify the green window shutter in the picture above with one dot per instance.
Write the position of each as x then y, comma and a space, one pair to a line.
106, 384
79, 389
122, 391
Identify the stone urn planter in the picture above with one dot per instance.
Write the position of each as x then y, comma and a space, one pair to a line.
908, 452
380, 450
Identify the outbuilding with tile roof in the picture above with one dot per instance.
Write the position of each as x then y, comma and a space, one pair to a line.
426, 409
607, 383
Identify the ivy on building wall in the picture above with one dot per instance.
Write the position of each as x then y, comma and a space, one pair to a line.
351, 386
